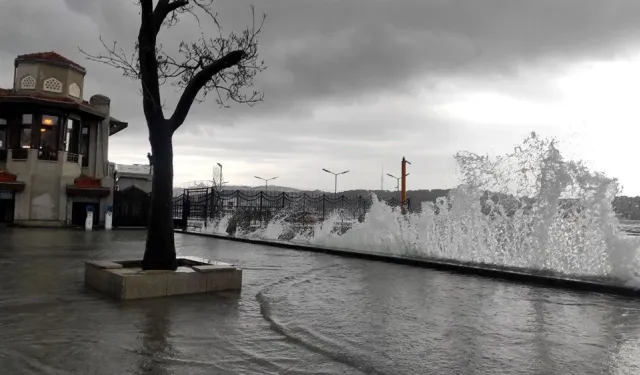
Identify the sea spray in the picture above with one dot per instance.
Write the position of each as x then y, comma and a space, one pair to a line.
529, 208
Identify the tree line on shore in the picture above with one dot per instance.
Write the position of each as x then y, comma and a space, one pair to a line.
625, 207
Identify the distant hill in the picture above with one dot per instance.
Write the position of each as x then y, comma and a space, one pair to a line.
204, 184
422, 195
272, 188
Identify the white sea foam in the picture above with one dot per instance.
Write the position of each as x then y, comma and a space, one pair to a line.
522, 223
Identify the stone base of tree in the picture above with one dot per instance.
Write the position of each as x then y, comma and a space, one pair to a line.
125, 280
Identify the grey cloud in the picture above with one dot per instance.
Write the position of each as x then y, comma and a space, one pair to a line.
324, 54
338, 50
319, 51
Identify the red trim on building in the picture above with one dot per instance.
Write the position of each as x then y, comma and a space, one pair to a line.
86, 182
86, 186
8, 182
50, 56
7, 177
10, 96
12, 186
101, 192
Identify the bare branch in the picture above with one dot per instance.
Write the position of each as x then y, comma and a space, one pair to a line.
174, 10
225, 65
117, 58
218, 181
199, 81
165, 8
223, 74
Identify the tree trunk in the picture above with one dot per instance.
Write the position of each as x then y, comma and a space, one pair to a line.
160, 251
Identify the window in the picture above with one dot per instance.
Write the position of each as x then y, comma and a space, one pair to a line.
52, 84
25, 131
71, 137
28, 83
48, 138
74, 90
3, 139
84, 144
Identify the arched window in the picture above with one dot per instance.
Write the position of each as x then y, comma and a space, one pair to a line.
74, 90
52, 85
28, 83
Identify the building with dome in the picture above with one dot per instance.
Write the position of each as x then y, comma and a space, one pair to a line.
54, 145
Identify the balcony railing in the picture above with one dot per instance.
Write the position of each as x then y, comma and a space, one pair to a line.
47, 155
72, 158
23, 154
30, 161
20, 154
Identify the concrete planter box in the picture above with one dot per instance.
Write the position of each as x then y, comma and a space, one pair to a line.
125, 280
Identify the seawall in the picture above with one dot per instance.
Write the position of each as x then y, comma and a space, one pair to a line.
512, 274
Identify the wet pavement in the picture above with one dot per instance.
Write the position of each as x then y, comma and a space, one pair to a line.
298, 313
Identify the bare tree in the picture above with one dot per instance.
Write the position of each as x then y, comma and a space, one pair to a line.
224, 65
218, 183
217, 186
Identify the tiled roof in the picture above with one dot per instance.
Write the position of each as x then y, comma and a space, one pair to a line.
9, 95
50, 56
12, 95
116, 126
36, 94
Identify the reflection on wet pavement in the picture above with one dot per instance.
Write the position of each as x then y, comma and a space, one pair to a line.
298, 313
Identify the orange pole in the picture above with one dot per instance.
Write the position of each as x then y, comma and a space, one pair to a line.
403, 192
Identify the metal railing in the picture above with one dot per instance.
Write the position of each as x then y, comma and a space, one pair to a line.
48, 155
72, 158
19, 154
202, 204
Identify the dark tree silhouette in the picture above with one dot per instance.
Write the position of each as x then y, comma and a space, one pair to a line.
224, 65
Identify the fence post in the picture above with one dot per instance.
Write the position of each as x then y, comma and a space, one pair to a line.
116, 204
260, 208
206, 205
185, 209
214, 203
342, 214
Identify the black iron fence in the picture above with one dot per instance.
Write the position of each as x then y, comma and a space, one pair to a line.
251, 208
132, 206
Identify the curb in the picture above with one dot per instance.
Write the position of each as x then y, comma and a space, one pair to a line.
517, 275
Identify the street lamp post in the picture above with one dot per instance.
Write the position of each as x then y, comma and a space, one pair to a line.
397, 180
335, 175
214, 177
403, 193
266, 181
